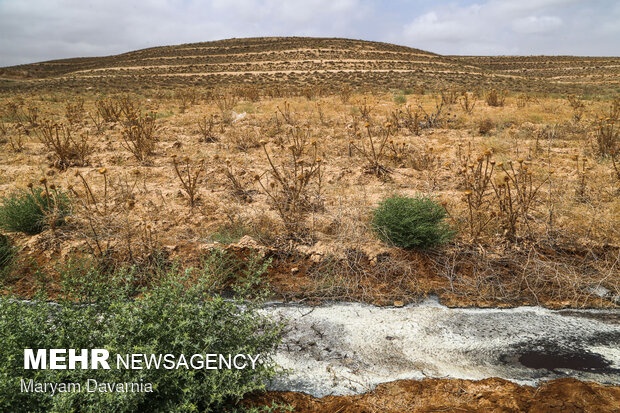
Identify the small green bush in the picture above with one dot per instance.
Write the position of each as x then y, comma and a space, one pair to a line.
400, 98
411, 222
181, 314
6, 253
30, 211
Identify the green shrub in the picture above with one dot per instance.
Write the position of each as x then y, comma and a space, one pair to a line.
31, 211
411, 222
7, 253
400, 98
179, 315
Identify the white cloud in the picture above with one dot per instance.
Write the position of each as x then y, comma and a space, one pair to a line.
518, 27
536, 24
36, 30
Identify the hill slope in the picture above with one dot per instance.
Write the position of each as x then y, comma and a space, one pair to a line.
299, 61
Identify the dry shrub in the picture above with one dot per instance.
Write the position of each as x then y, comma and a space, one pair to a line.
31, 115
13, 135
107, 221
138, 134
235, 180
275, 92
424, 159
12, 110
345, 93
374, 147
59, 139
189, 174
226, 102
449, 95
467, 102
109, 109
380, 280
496, 97
477, 177
286, 113
312, 92
485, 126
405, 118
249, 93
242, 140
186, 98
536, 274
206, 129
516, 196
74, 111
4, 129
607, 131
294, 180
494, 192
577, 106
523, 100
434, 118
97, 121
615, 164
365, 111
582, 183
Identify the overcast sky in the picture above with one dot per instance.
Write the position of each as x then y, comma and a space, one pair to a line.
37, 30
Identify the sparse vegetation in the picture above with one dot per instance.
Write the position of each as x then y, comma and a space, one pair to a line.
310, 153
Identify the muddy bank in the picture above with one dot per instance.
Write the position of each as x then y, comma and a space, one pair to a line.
463, 396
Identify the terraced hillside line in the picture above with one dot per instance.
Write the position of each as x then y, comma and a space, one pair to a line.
360, 64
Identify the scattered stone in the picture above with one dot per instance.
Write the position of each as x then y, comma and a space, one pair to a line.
599, 291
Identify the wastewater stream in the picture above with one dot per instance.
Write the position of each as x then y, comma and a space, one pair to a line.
350, 348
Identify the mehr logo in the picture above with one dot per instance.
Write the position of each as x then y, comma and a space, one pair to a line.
98, 358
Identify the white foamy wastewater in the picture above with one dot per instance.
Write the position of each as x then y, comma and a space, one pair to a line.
349, 348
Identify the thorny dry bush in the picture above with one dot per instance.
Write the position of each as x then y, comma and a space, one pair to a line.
109, 109
139, 133
105, 218
373, 146
189, 174
496, 97
578, 107
607, 131
293, 181
467, 102
538, 273
502, 193
226, 102
74, 112
206, 127
59, 139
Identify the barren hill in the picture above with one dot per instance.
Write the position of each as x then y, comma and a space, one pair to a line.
300, 62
